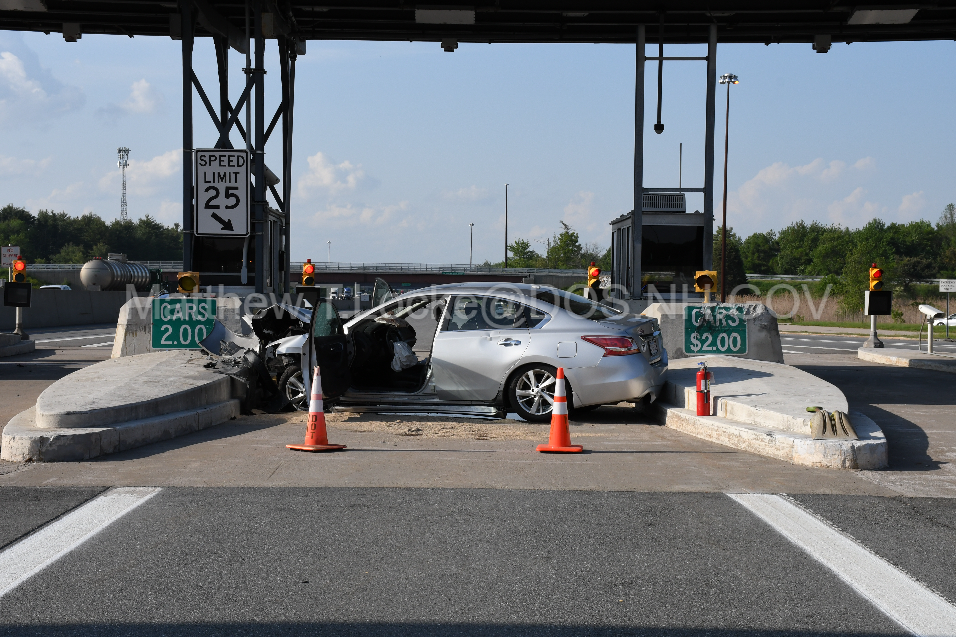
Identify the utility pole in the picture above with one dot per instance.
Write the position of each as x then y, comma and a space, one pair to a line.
123, 162
728, 79
471, 244
506, 225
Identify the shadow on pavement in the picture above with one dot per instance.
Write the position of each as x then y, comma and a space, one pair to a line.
871, 388
403, 628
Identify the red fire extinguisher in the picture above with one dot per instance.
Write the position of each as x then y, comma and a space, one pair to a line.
703, 389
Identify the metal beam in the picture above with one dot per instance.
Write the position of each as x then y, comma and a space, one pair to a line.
259, 204
206, 102
187, 42
218, 24
637, 218
710, 125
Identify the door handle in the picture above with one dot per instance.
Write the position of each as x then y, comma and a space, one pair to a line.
508, 342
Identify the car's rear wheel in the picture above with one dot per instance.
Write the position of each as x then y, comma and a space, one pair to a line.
292, 387
531, 392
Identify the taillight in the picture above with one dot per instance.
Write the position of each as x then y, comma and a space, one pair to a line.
614, 345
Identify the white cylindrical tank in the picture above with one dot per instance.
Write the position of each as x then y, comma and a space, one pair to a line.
107, 274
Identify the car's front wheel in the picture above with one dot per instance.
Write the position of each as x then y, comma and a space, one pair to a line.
292, 387
531, 392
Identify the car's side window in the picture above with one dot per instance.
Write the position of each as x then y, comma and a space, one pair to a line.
472, 313
327, 321
531, 317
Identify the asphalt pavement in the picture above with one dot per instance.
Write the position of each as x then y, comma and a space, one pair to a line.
651, 533
838, 344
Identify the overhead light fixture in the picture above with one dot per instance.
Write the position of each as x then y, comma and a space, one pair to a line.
882, 16
821, 43
449, 45
444, 16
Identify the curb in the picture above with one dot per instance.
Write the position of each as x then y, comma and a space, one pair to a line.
870, 452
24, 347
940, 364
23, 441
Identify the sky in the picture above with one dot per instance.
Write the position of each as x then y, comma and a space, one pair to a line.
399, 146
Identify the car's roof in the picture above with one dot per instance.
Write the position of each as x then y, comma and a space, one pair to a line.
478, 287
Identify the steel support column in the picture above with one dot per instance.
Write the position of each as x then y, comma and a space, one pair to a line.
222, 60
637, 218
259, 203
287, 55
186, 9
711, 115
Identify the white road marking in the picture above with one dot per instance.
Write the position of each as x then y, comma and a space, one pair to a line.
74, 338
900, 597
98, 344
791, 351
34, 553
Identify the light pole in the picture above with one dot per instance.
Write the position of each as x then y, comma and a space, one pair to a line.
330, 251
506, 225
728, 79
471, 243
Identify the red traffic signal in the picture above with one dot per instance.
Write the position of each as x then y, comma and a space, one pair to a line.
308, 269
19, 270
876, 278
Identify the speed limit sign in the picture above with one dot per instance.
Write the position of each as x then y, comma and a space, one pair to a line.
222, 192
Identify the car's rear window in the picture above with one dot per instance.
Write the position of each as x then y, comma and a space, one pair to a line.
577, 305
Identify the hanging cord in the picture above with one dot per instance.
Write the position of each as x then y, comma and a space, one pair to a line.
658, 127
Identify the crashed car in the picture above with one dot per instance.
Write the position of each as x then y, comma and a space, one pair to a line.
485, 348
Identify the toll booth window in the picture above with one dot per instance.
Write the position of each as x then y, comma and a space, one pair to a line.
327, 321
471, 313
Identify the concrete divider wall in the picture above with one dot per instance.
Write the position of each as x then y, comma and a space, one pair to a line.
54, 308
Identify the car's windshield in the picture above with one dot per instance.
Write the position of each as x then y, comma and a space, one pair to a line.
577, 305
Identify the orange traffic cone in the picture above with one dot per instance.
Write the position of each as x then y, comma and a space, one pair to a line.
560, 440
316, 437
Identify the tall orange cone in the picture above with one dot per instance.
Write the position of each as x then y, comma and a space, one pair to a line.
316, 437
560, 440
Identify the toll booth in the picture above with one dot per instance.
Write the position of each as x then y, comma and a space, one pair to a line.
672, 246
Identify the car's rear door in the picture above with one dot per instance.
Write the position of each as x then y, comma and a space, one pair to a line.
481, 339
330, 346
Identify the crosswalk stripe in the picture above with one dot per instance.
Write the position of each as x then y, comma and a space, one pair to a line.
896, 594
35, 552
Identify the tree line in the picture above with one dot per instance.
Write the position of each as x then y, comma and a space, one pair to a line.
56, 237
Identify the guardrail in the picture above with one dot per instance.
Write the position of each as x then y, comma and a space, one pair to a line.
433, 268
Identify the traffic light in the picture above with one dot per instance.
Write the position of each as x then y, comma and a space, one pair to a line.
705, 280
594, 275
188, 282
308, 270
876, 278
19, 270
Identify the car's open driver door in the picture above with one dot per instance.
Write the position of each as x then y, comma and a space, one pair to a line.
328, 348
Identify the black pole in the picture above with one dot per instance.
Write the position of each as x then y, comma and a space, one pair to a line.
222, 59
186, 9
637, 217
723, 228
710, 108
288, 197
506, 225
260, 164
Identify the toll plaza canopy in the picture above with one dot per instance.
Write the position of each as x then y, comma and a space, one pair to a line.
686, 21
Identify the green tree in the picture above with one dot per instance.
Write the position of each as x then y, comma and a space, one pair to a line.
830, 251
565, 251
735, 273
797, 243
70, 253
522, 256
946, 227
870, 245
758, 252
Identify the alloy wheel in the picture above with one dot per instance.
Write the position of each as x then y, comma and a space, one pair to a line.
534, 391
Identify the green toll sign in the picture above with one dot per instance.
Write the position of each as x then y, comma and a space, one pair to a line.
182, 323
715, 329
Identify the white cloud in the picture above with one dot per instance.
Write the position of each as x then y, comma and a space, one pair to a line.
781, 194
11, 166
470, 194
143, 99
59, 197
349, 215
27, 91
912, 204
325, 176
170, 212
145, 178
578, 213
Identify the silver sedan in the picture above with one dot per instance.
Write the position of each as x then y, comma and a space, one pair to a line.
485, 348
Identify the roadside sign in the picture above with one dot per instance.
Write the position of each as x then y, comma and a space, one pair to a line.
947, 285
8, 254
182, 323
715, 329
222, 192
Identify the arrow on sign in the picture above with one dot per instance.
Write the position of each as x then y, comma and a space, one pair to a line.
226, 225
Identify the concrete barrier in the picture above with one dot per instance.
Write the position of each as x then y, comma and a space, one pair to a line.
134, 325
12, 344
763, 335
55, 308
